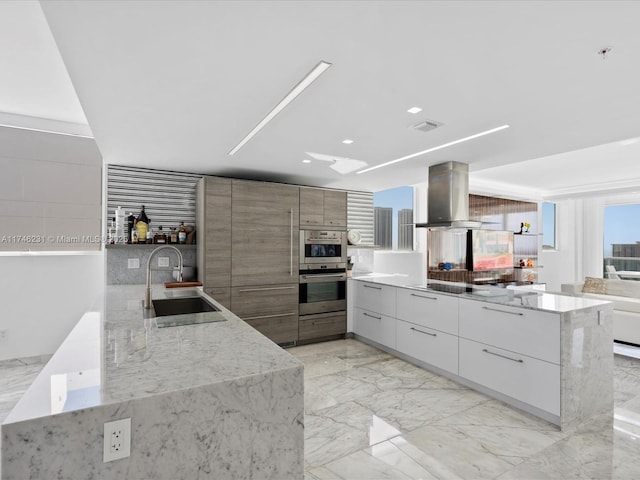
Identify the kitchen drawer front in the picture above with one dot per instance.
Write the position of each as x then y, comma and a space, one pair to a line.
322, 325
530, 332
376, 327
430, 346
264, 300
279, 328
427, 309
527, 379
376, 298
221, 295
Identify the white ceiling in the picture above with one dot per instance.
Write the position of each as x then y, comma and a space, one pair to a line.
175, 85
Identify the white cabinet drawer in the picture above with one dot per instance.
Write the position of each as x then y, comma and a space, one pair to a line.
428, 309
524, 378
430, 346
530, 332
376, 327
376, 297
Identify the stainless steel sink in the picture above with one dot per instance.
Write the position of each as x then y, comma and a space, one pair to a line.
173, 312
181, 305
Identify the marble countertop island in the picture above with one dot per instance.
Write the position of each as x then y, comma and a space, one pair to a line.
211, 397
522, 297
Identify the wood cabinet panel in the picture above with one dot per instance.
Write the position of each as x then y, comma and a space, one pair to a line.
270, 309
311, 207
322, 325
221, 294
319, 207
217, 232
335, 208
264, 232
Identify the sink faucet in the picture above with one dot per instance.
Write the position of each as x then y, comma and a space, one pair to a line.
147, 296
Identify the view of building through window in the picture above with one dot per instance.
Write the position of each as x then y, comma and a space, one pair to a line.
621, 240
393, 218
548, 225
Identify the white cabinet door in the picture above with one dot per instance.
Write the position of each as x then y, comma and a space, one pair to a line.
521, 377
375, 326
430, 346
530, 332
375, 297
427, 309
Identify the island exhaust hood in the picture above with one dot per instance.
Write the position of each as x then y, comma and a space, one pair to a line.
448, 197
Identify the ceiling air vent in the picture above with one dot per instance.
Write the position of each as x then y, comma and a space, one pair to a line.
426, 126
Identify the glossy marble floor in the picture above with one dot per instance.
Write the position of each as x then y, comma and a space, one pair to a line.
372, 416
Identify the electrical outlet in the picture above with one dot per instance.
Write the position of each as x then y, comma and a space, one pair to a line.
117, 440
163, 261
3, 335
134, 263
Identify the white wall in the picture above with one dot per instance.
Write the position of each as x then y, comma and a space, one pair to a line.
43, 297
559, 266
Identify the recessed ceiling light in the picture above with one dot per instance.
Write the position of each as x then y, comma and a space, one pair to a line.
306, 160
439, 147
414, 110
347, 141
297, 90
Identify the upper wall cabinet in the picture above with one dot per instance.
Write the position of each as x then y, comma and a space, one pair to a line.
320, 207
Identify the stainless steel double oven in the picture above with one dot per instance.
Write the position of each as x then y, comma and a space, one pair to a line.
323, 271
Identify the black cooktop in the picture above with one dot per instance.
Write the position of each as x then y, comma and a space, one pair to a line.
456, 289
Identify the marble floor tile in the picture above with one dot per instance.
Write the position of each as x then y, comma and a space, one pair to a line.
337, 431
16, 375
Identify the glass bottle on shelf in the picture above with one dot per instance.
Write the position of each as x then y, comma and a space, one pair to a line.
160, 237
142, 226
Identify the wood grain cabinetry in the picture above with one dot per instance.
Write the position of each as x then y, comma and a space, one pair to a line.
264, 233
270, 309
322, 325
319, 207
214, 237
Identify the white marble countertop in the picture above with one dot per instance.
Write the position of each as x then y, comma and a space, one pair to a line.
114, 355
535, 300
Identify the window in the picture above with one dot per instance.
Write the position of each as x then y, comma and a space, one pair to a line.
393, 218
621, 240
548, 226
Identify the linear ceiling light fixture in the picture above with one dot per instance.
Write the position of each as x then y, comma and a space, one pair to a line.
297, 90
42, 130
439, 147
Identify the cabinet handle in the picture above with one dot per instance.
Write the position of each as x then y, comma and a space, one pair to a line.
519, 360
369, 286
503, 311
422, 296
265, 289
275, 315
426, 333
372, 316
320, 322
291, 242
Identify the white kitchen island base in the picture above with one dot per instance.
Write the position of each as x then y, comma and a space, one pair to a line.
546, 354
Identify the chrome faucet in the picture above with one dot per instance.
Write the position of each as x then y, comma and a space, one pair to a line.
147, 296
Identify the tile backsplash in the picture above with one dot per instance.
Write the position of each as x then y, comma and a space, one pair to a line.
119, 273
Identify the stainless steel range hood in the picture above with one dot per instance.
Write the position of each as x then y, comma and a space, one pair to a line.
448, 197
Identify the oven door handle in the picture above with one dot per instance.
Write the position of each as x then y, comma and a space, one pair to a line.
327, 277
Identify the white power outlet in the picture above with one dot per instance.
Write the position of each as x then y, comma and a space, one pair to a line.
133, 263
163, 261
117, 440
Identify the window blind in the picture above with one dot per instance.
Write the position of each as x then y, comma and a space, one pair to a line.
360, 215
168, 197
